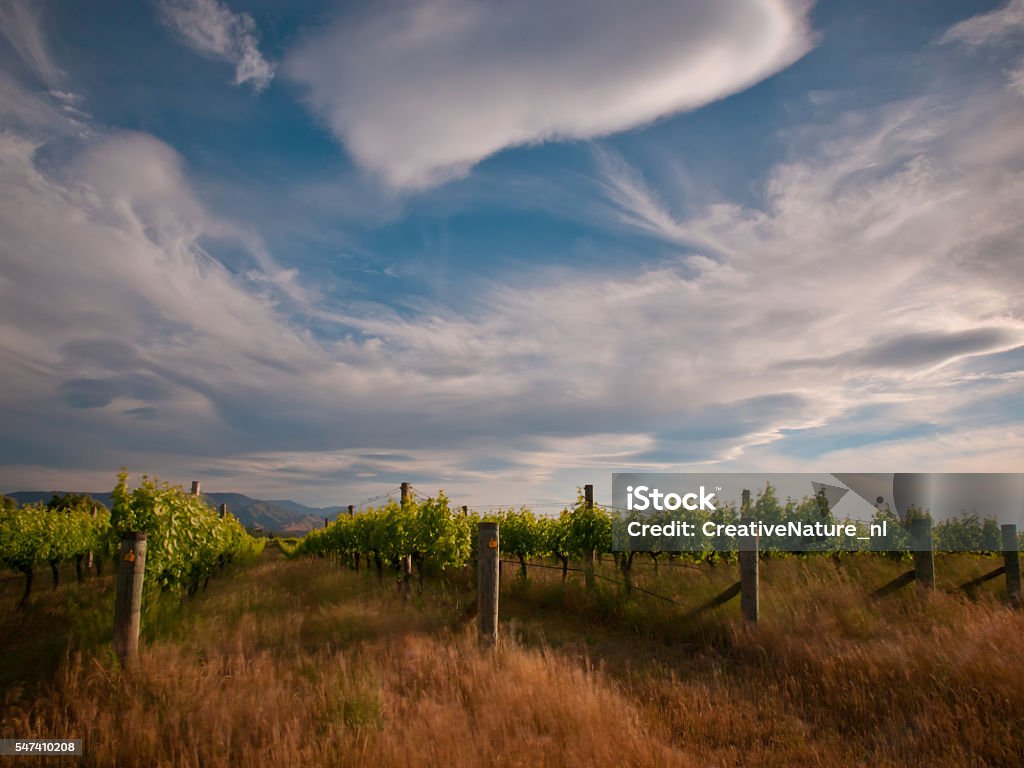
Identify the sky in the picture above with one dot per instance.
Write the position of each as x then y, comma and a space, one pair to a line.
310, 250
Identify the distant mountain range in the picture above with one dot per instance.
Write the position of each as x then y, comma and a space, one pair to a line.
278, 515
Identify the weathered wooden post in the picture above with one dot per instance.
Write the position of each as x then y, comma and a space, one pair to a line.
1011, 561
195, 487
465, 510
749, 599
589, 557
131, 572
487, 561
405, 564
97, 561
924, 557
223, 510
325, 522
355, 555
90, 556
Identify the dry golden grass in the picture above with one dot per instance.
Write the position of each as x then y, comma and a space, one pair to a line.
305, 664
364, 682
828, 676
931, 683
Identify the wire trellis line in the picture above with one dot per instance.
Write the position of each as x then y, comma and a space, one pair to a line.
633, 587
378, 498
550, 504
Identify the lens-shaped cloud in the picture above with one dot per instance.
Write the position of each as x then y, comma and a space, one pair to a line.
420, 92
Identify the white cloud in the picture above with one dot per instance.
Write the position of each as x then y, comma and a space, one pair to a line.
995, 26
420, 92
114, 235
52, 110
29, 112
21, 25
882, 271
884, 259
956, 449
1016, 79
212, 29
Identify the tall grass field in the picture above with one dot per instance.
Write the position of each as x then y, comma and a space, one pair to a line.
304, 662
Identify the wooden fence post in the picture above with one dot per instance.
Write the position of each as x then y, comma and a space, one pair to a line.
921, 546
465, 510
128, 597
405, 561
589, 557
195, 487
90, 555
223, 510
487, 578
405, 576
325, 522
351, 510
748, 545
1011, 561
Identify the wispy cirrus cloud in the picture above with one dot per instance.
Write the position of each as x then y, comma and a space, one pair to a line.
420, 92
212, 29
996, 26
21, 27
1000, 27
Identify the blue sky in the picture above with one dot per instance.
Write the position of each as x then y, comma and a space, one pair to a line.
309, 250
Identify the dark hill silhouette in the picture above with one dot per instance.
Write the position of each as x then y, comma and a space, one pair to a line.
278, 516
